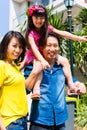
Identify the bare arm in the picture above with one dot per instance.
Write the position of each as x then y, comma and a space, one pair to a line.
34, 49
69, 35
81, 88
1, 124
30, 81
37, 54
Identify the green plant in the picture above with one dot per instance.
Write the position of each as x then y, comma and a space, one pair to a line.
81, 117
56, 19
81, 114
82, 17
80, 50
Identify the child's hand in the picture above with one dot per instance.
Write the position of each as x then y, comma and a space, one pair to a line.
82, 39
45, 64
22, 64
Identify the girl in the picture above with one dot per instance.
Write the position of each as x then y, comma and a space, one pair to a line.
37, 29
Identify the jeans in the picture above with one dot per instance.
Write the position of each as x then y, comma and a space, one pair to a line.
19, 124
34, 126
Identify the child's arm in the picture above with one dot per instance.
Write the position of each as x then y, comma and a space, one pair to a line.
37, 54
69, 35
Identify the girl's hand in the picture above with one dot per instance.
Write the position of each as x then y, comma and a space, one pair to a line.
22, 64
45, 64
82, 39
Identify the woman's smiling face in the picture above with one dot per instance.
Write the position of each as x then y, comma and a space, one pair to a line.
14, 50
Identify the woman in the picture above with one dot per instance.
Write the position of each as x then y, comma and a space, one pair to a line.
13, 101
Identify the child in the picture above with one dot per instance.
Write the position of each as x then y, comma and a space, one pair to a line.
37, 29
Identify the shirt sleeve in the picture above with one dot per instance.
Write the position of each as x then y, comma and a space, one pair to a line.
31, 33
74, 79
50, 28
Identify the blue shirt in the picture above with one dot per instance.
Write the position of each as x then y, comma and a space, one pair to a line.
52, 104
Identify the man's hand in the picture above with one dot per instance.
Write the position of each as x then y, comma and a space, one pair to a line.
31, 79
37, 67
80, 88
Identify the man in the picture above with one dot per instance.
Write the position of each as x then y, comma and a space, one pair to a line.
50, 112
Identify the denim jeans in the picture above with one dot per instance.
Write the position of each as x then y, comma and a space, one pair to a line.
19, 124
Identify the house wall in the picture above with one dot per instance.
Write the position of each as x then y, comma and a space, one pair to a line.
0, 38
81, 3
16, 14
18, 7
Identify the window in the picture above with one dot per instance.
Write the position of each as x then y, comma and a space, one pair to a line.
45, 2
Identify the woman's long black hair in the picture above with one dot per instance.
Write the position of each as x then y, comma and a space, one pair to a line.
5, 42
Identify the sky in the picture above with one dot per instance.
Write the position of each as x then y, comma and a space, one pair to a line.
4, 17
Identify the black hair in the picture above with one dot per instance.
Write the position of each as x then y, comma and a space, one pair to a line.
5, 42
30, 26
39, 12
52, 34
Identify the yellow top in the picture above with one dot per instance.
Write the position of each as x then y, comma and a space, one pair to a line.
13, 100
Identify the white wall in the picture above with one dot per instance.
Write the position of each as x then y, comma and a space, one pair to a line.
81, 3
17, 9
16, 14
0, 39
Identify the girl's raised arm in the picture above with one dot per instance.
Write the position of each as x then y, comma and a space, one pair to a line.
69, 35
